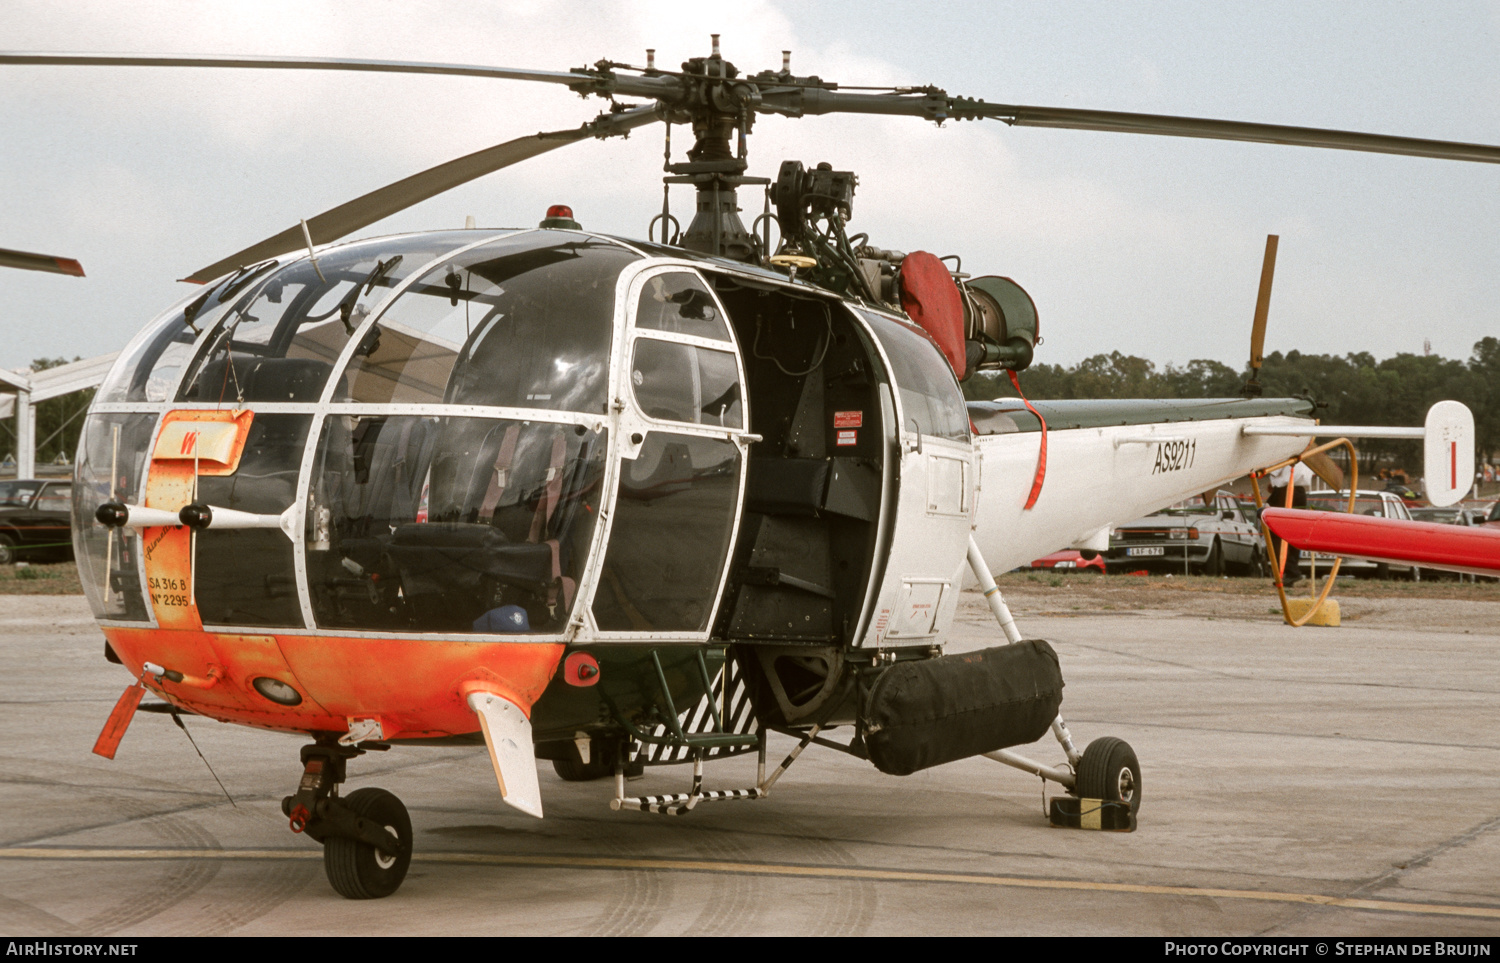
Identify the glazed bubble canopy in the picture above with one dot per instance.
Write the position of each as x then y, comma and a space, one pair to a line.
424, 524
523, 322
269, 332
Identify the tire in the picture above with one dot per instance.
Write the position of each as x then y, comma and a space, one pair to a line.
1257, 566
1109, 771
601, 764
572, 770
1213, 566
358, 870
7, 550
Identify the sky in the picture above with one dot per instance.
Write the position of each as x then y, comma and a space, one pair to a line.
1150, 246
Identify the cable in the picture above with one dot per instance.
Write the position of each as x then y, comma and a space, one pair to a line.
822, 353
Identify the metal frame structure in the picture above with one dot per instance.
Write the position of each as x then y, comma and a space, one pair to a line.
27, 389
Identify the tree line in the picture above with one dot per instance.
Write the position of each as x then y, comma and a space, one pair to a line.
1353, 388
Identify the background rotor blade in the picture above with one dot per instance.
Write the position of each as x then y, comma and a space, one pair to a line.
392, 198
1262, 305
1105, 120
27, 261
1326, 468
628, 85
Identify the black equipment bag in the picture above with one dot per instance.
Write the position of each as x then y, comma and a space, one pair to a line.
925, 713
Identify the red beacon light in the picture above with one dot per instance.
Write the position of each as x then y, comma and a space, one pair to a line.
560, 216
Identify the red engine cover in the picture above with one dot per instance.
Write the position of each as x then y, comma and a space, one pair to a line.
931, 300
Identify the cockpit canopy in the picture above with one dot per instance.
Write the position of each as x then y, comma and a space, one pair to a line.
460, 433
524, 320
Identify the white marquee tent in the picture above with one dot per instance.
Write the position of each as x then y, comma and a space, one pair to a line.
21, 392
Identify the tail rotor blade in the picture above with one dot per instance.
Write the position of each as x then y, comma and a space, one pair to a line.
393, 198
1325, 468
1262, 311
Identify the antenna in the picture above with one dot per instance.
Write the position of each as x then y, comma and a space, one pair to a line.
311, 254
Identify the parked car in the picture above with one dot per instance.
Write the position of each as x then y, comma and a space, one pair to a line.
1382, 504
1443, 516
1405, 493
1457, 515
1070, 560
1475, 516
1209, 538
35, 520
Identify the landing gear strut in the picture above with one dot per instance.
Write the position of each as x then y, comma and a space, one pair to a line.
366, 836
1103, 781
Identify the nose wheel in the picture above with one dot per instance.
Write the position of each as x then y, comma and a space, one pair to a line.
366, 835
359, 870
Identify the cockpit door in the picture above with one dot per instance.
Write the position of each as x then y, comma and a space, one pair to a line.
929, 506
679, 482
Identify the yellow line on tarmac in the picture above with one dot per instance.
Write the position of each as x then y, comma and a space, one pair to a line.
783, 870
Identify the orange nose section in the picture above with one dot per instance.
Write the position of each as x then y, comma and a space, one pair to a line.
415, 688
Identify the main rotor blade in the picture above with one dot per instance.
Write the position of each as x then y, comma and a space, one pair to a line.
1071, 119
627, 85
392, 198
938, 105
926, 102
27, 261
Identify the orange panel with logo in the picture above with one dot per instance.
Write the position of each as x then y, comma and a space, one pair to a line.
190, 443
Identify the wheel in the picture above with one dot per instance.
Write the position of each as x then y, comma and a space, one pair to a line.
1213, 566
572, 770
1257, 566
7, 550
1109, 771
600, 765
358, 870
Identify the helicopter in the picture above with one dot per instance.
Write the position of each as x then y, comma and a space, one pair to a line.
613, 502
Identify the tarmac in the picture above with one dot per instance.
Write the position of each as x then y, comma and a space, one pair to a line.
1295, 782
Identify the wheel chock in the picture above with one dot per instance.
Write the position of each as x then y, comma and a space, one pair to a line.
1327, 613
1070, 812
